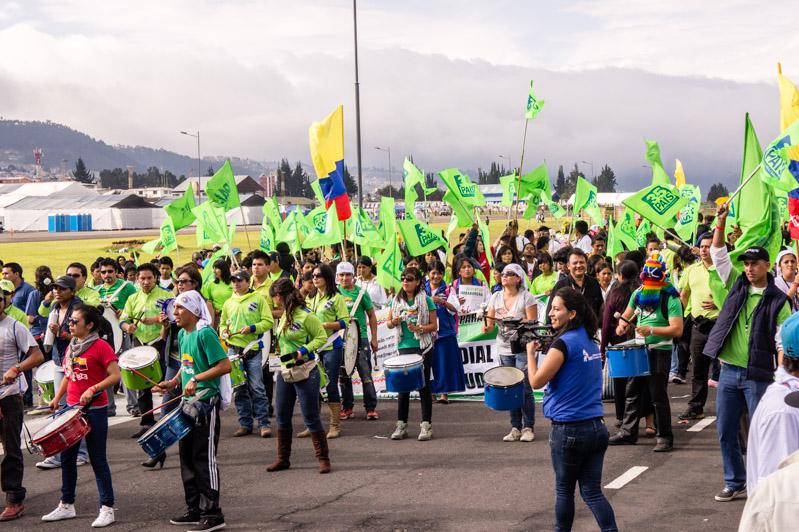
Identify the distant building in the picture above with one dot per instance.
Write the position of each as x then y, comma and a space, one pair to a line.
244, 183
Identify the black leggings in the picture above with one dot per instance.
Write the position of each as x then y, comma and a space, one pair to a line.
404, 399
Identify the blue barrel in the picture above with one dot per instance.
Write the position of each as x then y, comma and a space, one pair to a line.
51, 224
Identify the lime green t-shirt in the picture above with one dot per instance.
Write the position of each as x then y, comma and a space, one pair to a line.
244, 311
18, 315
218, 293
305, 330
696, 278
328, 309
141, 305
735, 350
363, 307
121, 297
199, 351
408, 340
543, 283
655, 318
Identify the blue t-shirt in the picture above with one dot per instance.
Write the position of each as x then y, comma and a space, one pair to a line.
575, 392
21, 294
39, 324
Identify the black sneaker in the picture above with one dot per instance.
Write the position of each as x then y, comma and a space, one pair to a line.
189, 518
209, 523
691, 415
663, 445
621, 438
728, 494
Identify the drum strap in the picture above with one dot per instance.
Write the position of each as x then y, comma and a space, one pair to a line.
361, 292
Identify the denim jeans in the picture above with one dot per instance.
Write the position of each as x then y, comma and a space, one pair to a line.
250, 398
332, 361
364, 367
13, 465
578, 451
404, 398
733, 393
307, 391
172, 368
58, 376
96, 442
527, 411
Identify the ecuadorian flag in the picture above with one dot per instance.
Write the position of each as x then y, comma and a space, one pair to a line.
327, 153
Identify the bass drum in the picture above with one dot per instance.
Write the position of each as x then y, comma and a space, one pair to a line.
352, 337
111, 316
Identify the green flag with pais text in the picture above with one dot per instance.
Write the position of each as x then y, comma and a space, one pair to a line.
389, 265
625, 230
168, 238
657, 203
180, 210
419, 237
213, 221
222, 188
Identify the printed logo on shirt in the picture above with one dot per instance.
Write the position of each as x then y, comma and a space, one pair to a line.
79, 369
587, 357
187, 363
253, 306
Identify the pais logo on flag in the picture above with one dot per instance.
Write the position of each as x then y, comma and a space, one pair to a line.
425, 237
660, 198
466, 189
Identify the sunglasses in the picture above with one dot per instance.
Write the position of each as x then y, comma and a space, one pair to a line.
238, 279
316, 275
509, 274
408, 278
56, 287
183, 281
72, 321
103, 272
75, 275
7, 293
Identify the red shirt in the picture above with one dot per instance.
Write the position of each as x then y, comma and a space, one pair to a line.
87, 370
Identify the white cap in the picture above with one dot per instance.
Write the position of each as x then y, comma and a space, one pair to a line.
345, 267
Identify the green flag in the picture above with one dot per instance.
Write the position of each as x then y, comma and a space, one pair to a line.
267, 236
532, 199
781, 160
453, 223
289, 232
585, 200
756, 205
419, 237
782, 202
462, 187
463, 213
149, 247
362, 231
329, 234
411, 177
686, 225
614, 242
534, 105
657, 203
554, 208
317, 192
389, 265
168, 239
626, 231
537, 180
202, 235
508, 183
213, 221
222, 189
644, 228
387, 218
659, 175
208, 272
486, 236
272, 212
180, 210
317, 219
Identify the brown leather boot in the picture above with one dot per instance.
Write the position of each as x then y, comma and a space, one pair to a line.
283, 451
320, 447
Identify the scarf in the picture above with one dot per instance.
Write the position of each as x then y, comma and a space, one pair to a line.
654, 282
77, 348
400, 307
194, 303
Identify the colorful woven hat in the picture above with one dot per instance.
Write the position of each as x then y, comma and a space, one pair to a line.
654, 279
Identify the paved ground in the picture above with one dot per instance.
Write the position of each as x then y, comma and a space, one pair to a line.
464, 479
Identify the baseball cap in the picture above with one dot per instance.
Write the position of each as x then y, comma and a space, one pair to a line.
65, 281
345, 267
7, 286
236, 251
273, 256
754, 253
241, 274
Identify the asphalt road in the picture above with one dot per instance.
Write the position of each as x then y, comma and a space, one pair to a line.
466, 478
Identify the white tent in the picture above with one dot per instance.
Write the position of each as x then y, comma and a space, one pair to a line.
108, 212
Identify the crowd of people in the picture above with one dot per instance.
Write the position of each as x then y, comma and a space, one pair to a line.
688, 306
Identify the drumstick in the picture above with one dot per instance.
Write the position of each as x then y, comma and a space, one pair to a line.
618, 316
145, 377
162, 405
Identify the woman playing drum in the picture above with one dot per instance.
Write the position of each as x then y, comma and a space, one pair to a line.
90, 367
413, 316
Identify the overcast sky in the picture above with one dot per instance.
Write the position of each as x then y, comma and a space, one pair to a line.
443, 80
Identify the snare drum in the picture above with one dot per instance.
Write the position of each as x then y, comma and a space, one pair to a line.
168, 308
144, 360
238, 377
45, 378
628, 359
111, 316
63, 432
504, 388
169, 430
404, 373
352, 338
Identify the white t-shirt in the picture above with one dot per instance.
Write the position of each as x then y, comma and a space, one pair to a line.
375, 291
583, 243
15, 338
523, 301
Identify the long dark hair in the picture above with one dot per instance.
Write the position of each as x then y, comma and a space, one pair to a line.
330, 280
411, 270
224, 269
292, 298
502, 250
193, 273
584, 317
628, 270
42, 273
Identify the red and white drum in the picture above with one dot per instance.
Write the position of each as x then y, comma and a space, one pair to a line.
63, 432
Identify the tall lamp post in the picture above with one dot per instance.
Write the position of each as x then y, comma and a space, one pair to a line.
390, 187
591, 164
199, 164
510, 164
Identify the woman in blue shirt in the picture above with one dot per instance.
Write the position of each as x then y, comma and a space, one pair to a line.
448, 375
572, 373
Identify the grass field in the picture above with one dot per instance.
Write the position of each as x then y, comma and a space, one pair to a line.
59, 253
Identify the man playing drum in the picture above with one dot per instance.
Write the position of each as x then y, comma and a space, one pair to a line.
141, 318
245, 317
16, 342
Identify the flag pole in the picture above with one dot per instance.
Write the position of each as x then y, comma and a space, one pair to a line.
745, 181
244, 221
519, 177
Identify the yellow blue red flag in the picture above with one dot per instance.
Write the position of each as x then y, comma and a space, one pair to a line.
326, 140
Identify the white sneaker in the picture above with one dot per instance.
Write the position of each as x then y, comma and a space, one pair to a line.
426, 433
62, 511
527, 434
513, 435
48, 463
401, 432
105, 518
82, 461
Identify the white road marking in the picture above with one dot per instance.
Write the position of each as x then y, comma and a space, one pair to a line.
701, 424
626, 477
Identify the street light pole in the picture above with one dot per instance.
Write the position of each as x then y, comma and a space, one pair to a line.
510, 164
357, 106
390, 187
199, 164
591, 164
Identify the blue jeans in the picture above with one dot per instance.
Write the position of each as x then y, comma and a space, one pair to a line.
332, 361
251, 398
578, 451
734, 392
307, 391
364, 367
58, 376
96, 442
172, 368
527, 411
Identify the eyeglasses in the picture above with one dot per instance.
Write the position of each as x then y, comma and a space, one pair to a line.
75, 275
509, 274
7, 293
316, 275
72, 321
183, 281
408, 278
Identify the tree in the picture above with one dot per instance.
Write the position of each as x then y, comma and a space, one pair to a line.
80, 174
560, 182
349, 183
606, 180
284, 181
571, 182
300, 182
717, 190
